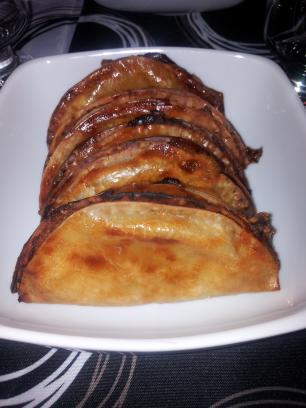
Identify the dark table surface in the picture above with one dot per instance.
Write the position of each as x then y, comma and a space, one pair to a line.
264, 372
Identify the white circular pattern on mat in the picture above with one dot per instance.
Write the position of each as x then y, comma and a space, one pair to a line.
50, 389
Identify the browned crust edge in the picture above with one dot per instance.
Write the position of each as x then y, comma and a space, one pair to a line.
193, 83
64, 178
259, 226
160, 111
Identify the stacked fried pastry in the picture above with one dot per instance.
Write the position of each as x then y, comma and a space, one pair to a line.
143, 196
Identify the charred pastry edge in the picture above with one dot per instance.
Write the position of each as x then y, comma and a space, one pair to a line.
107, 108
153, 55
260, 226
160, 118
157, 117
252, 155
192, 81
218, 96
160, 57
113, 99
91, 114
164, 97
177, 142
62, 181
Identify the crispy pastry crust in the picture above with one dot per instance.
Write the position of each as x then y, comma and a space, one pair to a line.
161, 122
152, 263
142, 71
151, 159
128, 106
143, 196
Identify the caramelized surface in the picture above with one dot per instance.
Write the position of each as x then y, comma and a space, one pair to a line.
143, 195
193, 109
150, 160
112, 105
133, 72
150, 125
123, 253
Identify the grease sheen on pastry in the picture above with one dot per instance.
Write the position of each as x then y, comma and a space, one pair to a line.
141, 247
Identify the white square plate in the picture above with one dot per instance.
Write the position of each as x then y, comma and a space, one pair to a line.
263, 106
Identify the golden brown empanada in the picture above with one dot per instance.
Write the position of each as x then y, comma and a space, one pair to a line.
144, 196
114, 76
149, 160
152, 244
154, 124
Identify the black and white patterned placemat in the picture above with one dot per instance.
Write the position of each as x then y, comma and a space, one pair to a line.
269, 372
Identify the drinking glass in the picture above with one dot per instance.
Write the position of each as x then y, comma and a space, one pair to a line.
14, 18
285, 33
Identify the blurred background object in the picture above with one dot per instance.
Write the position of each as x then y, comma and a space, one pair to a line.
285, 33
14, 19
270, 28
169, 6
51, 28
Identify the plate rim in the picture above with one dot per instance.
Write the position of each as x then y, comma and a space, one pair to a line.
271, 328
